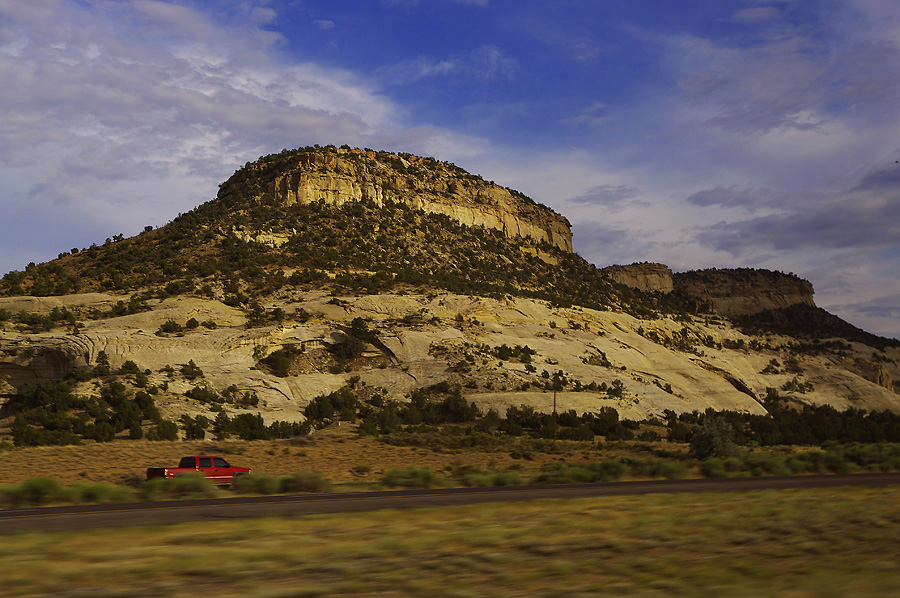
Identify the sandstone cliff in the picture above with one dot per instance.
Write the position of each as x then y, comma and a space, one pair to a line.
645, 277
741, 291
342, 176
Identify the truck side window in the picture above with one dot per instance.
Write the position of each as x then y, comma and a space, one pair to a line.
219, 462
187, 462
205, 462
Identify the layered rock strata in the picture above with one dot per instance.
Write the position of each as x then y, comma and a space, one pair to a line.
645, 277
424, 184
742, 291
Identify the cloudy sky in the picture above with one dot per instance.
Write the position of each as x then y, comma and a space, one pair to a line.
697, 133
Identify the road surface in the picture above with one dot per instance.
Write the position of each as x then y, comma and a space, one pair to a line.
169, 512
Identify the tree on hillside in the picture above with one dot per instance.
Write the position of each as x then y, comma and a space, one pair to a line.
714, 439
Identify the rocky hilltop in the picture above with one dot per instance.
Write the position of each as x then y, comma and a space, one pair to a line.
347, 175
729, 292
645, 277
735, 292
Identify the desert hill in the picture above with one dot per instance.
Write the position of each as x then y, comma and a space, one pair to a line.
322, 269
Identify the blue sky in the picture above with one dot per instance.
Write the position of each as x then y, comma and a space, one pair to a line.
757, 133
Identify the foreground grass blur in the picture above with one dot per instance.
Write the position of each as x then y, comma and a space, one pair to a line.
827, 542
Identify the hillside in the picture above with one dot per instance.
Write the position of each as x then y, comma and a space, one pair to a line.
376, 275
251, 240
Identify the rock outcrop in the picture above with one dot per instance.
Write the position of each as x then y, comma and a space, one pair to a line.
420, 340
742, 291
425, 184
645, 277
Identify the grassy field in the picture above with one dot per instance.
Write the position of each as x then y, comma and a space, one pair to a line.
337, 452
790, 543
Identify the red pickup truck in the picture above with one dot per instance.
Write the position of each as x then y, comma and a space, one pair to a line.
217, 469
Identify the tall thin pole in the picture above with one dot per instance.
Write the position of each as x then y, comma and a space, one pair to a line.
555, 384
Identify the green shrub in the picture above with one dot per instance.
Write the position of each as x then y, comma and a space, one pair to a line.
798, 464
714, 439
182, 486
164, 430
169, 327
191, 370
33, 492
520, 453
39, 491
42, 491
412, 477
565, 473
103, 493
835, 462
506, 478
474, 478
256, 483
8, 494
766, 465
713, 468
658, 468
306, 481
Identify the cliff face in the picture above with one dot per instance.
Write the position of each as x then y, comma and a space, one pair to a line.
644, 277
733, 292
422, 183
745, 291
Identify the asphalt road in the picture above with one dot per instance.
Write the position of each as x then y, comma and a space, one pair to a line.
169, 512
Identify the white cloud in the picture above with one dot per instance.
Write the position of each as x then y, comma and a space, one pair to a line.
420, 68
485, 62
490, 62
261, 15
609, 196
411, 3
592, 116
755, 14
122, 115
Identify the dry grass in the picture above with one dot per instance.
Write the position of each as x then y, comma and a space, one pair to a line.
337, 452
791, 543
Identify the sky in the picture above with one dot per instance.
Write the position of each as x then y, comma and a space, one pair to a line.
695, 133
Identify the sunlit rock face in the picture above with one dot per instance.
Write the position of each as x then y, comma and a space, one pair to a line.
645, 277
422, 183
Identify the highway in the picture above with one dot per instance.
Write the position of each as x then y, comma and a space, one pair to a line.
80, 517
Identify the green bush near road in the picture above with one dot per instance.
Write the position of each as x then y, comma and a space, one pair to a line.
44, 491
301, 481
412, 477
306, 481
183, 486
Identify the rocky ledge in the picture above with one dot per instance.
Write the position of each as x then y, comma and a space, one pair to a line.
742, 291
342, 176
